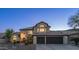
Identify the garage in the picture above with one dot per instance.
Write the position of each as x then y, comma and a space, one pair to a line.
40, 40
54, 40
50, 40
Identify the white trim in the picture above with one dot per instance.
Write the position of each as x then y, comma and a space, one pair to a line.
45, 39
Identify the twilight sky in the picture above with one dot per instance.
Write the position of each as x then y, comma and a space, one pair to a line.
17, 18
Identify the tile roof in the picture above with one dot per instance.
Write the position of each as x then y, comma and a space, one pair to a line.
42, 22
17, 33
49, 33
28, 28
57, 33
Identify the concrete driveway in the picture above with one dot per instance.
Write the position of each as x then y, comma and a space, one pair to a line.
56, 47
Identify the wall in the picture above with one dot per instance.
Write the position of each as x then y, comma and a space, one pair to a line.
2, 40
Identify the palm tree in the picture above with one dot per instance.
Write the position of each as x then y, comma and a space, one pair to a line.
74, 21
8, 34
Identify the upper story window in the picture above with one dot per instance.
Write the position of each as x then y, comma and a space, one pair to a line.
41, 25
41, 29
30, 32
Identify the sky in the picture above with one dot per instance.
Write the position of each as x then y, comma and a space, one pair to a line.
18, 18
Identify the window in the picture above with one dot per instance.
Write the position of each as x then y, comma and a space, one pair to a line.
14, 37
41, 25
42, 30
30, 32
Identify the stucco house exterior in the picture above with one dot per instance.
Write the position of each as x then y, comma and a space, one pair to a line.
43, 35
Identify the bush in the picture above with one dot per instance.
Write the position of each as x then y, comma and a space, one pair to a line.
29, 39
17, 41
26, 42
76, 40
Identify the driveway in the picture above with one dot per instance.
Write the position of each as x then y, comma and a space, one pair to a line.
56, 47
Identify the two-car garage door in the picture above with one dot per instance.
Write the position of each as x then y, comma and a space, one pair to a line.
50, 40
40, 40
54, 40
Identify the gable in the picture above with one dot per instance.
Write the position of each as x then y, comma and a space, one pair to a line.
42, 24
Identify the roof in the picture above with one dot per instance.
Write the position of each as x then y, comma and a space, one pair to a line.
57, 33
28, 28
17, 33
49, 33
42, 22
73, 29
2, 35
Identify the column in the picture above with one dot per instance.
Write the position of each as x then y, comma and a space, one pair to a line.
45, 39
34, 40
65, 39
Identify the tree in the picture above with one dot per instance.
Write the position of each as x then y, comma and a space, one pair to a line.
29, 39
74, 21
8, 34
76, 40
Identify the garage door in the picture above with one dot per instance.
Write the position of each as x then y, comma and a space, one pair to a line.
54, 40
40, 40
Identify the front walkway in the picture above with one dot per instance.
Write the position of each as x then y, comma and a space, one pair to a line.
56, 47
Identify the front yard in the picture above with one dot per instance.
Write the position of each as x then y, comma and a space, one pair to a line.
10, 46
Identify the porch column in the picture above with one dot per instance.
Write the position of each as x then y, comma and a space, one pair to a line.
34, 40
45, 39
65, 39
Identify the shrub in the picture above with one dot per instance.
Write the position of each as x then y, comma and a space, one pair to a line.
29, 39
76, 40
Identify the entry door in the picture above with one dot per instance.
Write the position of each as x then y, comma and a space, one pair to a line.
40, 40
54, 40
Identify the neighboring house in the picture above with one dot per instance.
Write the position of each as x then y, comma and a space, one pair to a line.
2, 38
15, 37
43, 35
2, 35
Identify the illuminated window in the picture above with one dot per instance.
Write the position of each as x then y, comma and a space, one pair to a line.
14, 37
30, 32
41, 25
42, 30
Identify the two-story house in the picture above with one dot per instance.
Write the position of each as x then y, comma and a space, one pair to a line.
43, 35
